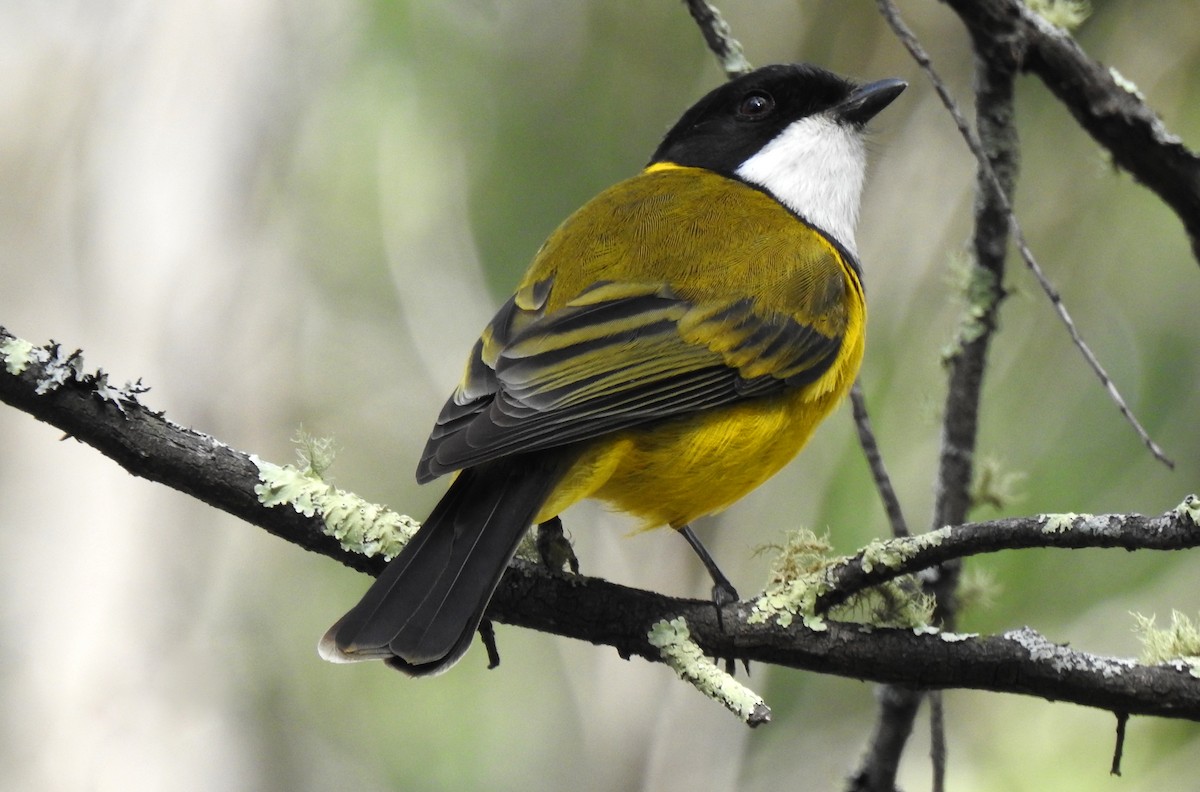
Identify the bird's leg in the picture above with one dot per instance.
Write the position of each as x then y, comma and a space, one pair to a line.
723, 592
554, 548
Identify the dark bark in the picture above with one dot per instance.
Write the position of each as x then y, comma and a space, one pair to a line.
603, 613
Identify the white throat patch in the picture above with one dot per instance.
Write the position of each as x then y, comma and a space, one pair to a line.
814, 167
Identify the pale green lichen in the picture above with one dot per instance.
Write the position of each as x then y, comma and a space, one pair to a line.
1063, 659
800, 576
553, 551
359, 525
892, 553
316, 454
952, 637
17, 354
977, 589
994, 486
1179, 643
1066, 14
981, 292
795, 581
58, 367
118, 397
1125, 84
1060, 523
674, 643
1189, 509
527, 549
899, 603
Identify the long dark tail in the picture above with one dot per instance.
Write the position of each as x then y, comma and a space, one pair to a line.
422, 612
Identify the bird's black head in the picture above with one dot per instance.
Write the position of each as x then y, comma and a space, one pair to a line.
794, 131
733, 122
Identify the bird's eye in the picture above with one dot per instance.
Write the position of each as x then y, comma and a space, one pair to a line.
755, 105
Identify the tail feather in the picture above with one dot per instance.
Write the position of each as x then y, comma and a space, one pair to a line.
422, 612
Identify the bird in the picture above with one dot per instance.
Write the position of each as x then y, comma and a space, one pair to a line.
672, 345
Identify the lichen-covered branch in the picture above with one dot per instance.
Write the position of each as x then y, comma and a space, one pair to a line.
674, 642
1106, 105
53, 387
994, 143
1006, 43
1177, 529
719, 38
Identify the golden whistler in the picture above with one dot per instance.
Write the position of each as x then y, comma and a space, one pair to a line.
672, 346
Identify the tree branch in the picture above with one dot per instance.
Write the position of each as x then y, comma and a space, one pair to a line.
1103, 103
888, 559
994, 183
897, 711
1004, 40
719, 38
51, 386
870, 447
995, 147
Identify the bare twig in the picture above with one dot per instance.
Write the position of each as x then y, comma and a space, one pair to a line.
937, 750
1088, 355
870, 447
906, 36
487, 636
1119, 746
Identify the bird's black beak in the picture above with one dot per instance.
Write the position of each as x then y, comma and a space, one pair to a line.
866, 101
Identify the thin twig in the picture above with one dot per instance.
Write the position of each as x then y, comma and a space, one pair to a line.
1119, 748
870, 447
906, 36
937, 747
719, 38
487, 635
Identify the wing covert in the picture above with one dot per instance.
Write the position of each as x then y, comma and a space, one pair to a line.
619, 355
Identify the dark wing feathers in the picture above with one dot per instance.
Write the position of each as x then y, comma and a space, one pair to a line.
617, 356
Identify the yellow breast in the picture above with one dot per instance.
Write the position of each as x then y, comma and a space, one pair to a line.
675, 471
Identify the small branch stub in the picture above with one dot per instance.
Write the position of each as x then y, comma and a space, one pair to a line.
674, 642
1189, 509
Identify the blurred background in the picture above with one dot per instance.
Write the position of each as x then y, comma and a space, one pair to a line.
302, 213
